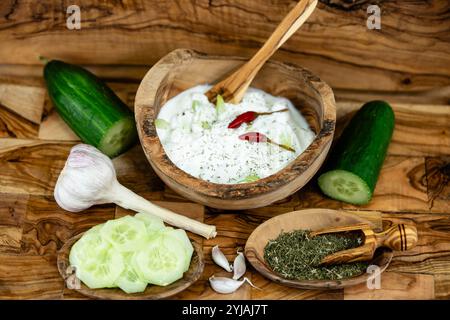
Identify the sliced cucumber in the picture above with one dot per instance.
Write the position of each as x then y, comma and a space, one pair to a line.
220, 105
195, 105
162, 261
152, 223
250, 178
345, 186
181, 235
87, 247
129, 280
131, 252
104, 271
162, 124
125, 234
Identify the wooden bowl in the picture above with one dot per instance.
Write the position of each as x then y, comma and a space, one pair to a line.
152, 292
309, 219
183, 69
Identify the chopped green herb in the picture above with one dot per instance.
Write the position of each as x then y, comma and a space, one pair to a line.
206, 125
195, 104
162, 124
294, 255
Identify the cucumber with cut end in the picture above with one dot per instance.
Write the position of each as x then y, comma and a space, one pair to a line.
356, 161
90, 108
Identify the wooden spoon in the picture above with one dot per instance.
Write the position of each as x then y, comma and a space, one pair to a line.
399, 237
232, 88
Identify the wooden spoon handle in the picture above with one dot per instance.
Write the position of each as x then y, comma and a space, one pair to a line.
399, 237
233, 87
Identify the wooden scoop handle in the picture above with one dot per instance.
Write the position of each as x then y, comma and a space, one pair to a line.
232, 88
399, 237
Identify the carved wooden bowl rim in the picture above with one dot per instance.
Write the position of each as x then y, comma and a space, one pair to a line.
151, 292
145, 115
381, 259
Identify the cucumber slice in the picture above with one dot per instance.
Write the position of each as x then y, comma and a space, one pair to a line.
129, 280
162, 124
181, 236
87, 247
345, 186
152, 223
103, 271
195, 105
125, 234
162, 261
250, 178
220, 105
358, 156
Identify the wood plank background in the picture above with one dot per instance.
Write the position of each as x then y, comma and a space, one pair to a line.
411, 52
407, 62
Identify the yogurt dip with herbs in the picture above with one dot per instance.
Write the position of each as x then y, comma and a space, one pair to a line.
196, 138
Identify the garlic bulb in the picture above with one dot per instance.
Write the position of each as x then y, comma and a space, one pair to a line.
220, 259
88, 173
89, 178
239, 267
226, 285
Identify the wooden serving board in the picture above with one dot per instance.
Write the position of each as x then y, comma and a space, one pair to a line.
34, 143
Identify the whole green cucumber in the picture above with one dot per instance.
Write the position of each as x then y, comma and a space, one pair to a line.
90, 107
358, 156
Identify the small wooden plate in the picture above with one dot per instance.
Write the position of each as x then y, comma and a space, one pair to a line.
151, 292
309, 219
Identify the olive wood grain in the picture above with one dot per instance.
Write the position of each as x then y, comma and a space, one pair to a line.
182, 69
152, 292
233, 88
308, 219
399, 237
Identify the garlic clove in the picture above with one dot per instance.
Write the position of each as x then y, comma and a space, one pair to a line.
239, 267
226, 285
220, 259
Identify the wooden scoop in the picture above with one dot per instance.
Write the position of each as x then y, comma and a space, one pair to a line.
232, 88
399, 237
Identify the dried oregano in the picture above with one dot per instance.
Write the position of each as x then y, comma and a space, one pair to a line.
294, 255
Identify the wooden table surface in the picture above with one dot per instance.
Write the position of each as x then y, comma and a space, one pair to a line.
413, 187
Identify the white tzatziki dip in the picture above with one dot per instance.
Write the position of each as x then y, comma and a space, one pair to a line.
196, 137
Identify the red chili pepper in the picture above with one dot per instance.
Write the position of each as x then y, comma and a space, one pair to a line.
259, 137
248, 117
254, 137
